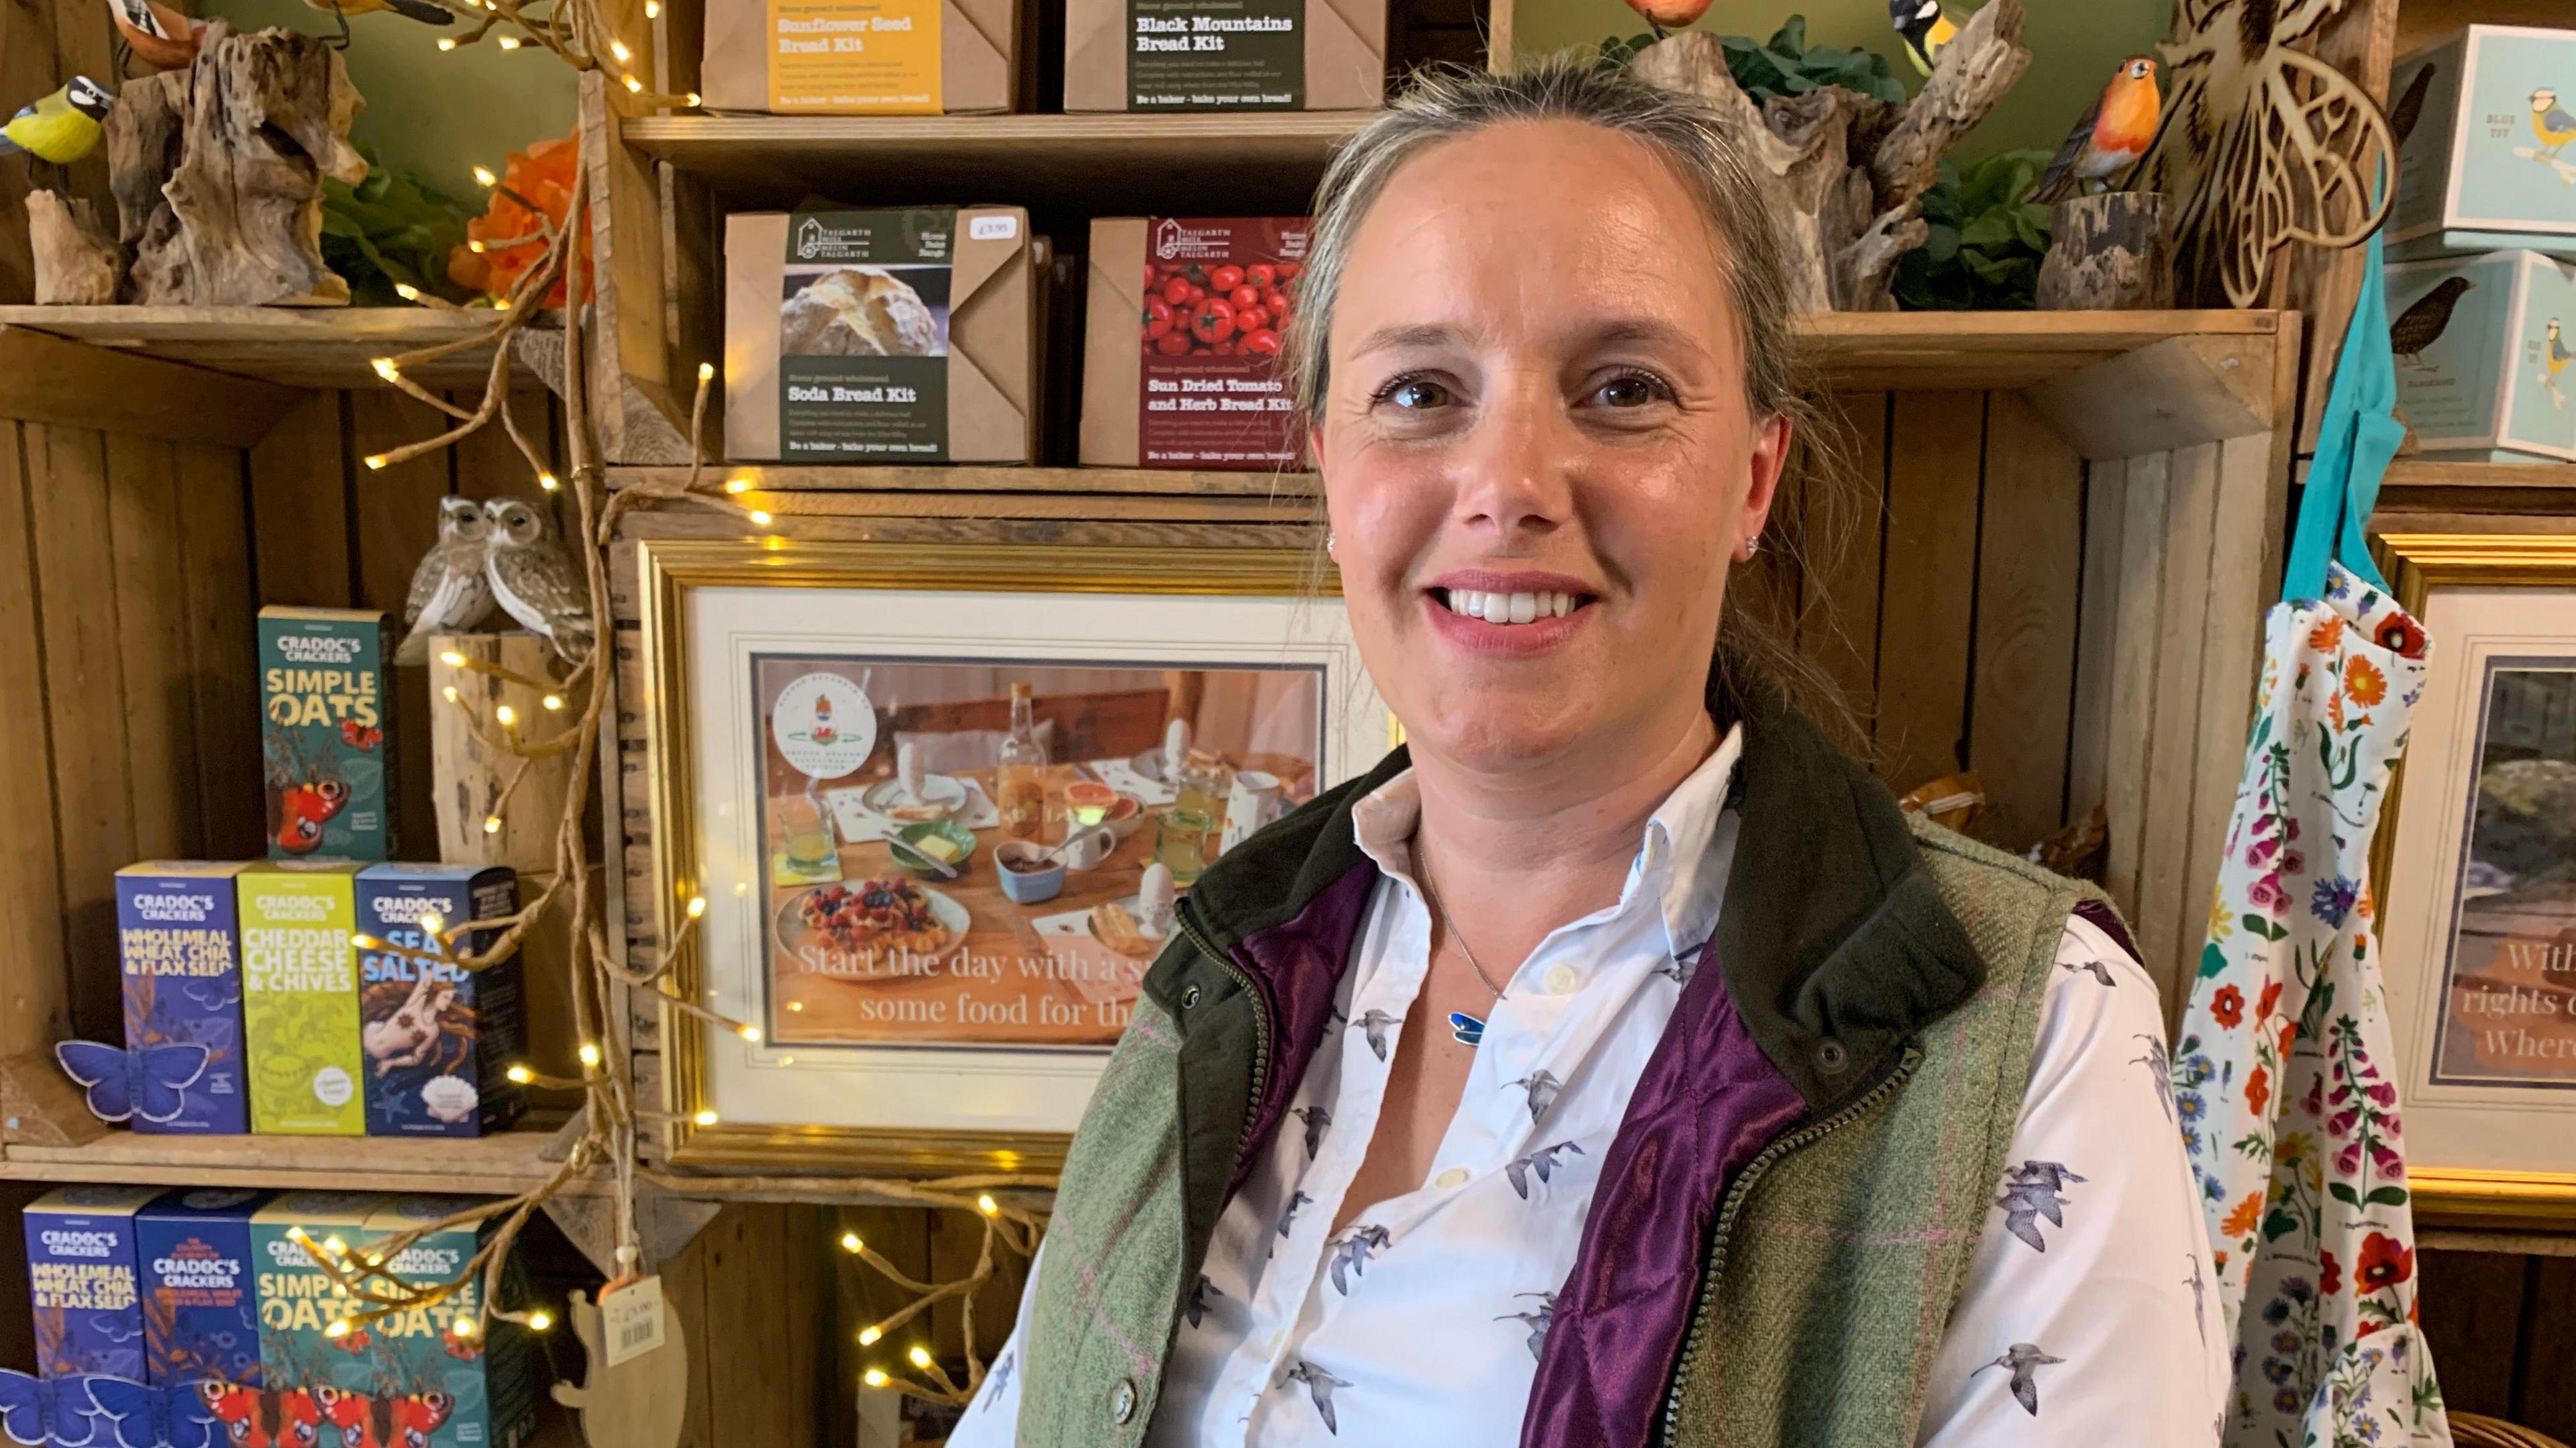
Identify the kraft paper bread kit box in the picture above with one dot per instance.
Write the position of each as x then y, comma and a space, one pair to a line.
1224, 55
200, 1285
439, 1039
82, 1279
2483, 346
862, 57
300, 997
330, 775
2488, 162
1181, 341
178, 939
468, 1389
888, 336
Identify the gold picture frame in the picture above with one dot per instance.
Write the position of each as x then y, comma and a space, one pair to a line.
2420, 567
670, 573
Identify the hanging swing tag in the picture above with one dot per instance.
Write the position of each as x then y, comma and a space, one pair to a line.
630, 1320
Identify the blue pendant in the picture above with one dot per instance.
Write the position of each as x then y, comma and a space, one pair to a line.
1466, 1029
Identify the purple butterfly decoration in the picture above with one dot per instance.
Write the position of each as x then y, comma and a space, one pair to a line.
150, 1082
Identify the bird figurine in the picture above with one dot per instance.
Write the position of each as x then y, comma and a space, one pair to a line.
2553, 126
424, 11
156, 34
2112, 135
2422, 324
62, 127
534, 580
2553, 364
449, 591
2023, 1360
1666, 16
2410, 105
1924, 27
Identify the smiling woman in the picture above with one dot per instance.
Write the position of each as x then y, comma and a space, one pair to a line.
1653, 1078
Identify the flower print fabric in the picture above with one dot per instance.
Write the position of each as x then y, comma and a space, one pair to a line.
2281, 1076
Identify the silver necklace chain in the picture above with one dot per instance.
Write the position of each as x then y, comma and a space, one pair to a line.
1431, 897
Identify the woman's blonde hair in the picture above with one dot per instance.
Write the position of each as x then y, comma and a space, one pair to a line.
1697, 142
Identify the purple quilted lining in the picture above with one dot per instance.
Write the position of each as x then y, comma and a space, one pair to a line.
1297, 966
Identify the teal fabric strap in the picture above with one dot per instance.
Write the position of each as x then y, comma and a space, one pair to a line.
2359, 436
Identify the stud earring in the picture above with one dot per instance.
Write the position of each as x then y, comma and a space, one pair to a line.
1752, 546
1328, 545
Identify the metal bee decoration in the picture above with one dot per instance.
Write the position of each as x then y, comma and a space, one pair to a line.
2262, 145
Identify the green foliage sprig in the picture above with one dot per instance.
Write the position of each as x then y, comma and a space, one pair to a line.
1985, 242
390, 229
1786, 65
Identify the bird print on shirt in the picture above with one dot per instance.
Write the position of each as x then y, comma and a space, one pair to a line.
2199, 1286
2092, 965
2159, 1064
1316, 1119
1538, 1163
1002, 1377
1295, 1200
2023, 1360
1537, 1319
1197, 1306
1543, 1088
1353, 1249
2032, 1191
1373, 1023
1319, 1386
1678, 969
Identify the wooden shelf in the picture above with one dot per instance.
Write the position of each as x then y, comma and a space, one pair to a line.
1982, 351
298, 346
1121, 482
2412, 473
502, 1165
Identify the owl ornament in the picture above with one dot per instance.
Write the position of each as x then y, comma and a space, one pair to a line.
534, 578
448, 591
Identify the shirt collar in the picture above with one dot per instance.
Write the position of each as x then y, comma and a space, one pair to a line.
1679, 856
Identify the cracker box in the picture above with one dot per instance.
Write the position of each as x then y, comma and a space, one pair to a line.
81, 1277
298, 1301
488, 1378
1181, 342
200, 1285
300, 998
439, 1039
2489, 160
330, 774
900, 336
1224, 55
2483, 345
178, 937
863, 57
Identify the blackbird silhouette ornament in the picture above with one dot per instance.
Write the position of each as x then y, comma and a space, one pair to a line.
2111, 136
1665, 16
1924, 27
2410, 106
2422, 325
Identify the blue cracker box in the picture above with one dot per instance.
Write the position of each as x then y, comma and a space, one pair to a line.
439, 1039
298, 1300
487, 1376
2489, 162
81, 1277
200, 1285
2483, 346
178, 934
329, 767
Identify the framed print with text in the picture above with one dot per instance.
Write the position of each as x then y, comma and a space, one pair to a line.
939, 802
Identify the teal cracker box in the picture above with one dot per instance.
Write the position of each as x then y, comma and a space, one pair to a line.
482, 1380
329, 769
2491, 159
2483, 349
298, 1300
439, 1039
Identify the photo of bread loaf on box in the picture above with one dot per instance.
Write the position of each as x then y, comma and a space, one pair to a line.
862, 57
1224, 55
891, 336
1181, 333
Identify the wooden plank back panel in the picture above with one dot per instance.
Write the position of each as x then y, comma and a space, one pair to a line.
222, 648
299, 480
1842, 530
148, 557
1927, 590
2030, 538
2133, 670
2172, 707
35, 1002
396, 508
2097, 632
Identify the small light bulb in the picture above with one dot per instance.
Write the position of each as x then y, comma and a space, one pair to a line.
475, 247
618, 48
450, 692
500, 304
634, 86
760, 517
741, 888
796, 1005
334, 1246
447, 42
875, 1378
704, 1118
786, 1060
431, 922
386, 369
407, 291
507, 715
919, 1355
697, 907
851, 1244
452, 659
737, 486
868, 1336
549, 481
694, 99
751, 1034
652, 9
463, 1326
540, 1320
295, 1233
520, 1075
377, 461
483, 177
553, 703
339, 1328
491, 824
364, 941
590, 1054
706, 372
984, 1203
509, 42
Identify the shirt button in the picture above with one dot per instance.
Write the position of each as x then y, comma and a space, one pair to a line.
1454, 1176
1122, 1400
1561, 980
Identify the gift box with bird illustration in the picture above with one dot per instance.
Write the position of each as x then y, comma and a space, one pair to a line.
439, 1039
330, 775
300, 997
2486, 125
177, 934
439, 1371
2483, 346
199, 1285
81, 1278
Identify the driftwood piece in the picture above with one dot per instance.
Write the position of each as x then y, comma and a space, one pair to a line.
1847, 172
76, 263
143, 138
2109, 253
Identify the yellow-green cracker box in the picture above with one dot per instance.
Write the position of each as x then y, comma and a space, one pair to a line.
300, 998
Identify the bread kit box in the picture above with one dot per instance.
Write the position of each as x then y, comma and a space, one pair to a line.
439, 1039
439, 1373
179, 943
2485, 161
1181, 342
872, 337
1224, 55
330, 776
300, 997
199, 1285
82, 1280
862, 57
2483, 345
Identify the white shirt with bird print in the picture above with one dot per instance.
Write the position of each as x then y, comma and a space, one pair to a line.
2086, 1317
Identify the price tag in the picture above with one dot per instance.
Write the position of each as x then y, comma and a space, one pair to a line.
630, 1320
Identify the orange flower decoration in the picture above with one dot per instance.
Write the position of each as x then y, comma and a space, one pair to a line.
2326, 635
2363, 681
2258, 1090
2242, 1217
513, 241
2384, 1262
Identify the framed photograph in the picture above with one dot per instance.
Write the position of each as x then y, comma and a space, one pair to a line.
941, 804
2477, 863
